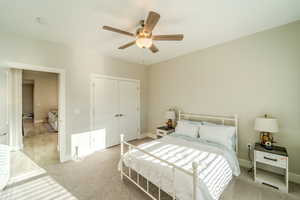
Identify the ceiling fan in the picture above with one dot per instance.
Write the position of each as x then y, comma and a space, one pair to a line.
143, 36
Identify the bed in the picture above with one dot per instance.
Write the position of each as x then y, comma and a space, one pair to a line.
4, 165
185, 166
53, 119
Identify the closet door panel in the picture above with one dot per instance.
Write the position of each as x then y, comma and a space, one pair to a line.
129, 102
106, 107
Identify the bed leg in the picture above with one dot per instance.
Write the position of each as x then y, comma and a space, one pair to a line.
122, 153
129, 170
195, 180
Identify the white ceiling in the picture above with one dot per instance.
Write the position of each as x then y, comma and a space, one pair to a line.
203, 22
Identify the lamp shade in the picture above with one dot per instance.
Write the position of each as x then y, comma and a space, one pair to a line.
266, 125
170, 114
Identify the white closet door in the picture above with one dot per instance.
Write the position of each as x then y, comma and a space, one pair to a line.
106, 107
129, 105
3, 107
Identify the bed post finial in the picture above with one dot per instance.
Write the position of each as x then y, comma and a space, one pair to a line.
195, 179
236, 132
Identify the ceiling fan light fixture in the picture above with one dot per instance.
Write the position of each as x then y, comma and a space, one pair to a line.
144, 42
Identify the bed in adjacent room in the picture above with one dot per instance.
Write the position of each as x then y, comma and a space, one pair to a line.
196, 162
53, 119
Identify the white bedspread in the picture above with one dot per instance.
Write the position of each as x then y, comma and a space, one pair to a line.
217, 165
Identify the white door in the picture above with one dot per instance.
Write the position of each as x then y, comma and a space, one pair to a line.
129, 109
3, 107
105, 110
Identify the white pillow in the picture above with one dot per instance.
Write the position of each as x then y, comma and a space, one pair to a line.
187, 129
220, 134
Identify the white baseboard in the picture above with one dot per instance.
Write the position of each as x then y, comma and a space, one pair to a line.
292, 176
65, 158
143, 135
147, 134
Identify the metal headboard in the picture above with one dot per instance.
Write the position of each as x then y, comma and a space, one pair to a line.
221, 118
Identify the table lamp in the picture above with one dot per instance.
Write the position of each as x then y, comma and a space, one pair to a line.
266, 126
170, 116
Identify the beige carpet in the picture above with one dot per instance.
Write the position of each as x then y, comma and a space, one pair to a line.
40, 145
96, 177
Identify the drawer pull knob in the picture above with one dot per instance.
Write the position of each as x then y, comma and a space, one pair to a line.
275, 160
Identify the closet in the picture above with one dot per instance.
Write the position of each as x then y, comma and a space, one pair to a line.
115, 110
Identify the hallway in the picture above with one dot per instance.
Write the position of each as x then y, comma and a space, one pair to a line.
40, 143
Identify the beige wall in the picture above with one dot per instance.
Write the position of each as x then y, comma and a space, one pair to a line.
78, 64
250, 76
45, 93
27, 98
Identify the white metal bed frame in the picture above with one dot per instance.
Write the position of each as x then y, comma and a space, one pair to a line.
195, 165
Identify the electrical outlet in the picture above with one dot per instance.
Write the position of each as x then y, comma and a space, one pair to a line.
249, 146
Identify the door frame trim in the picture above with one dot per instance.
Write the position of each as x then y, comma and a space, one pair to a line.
95, 76
63, 141
8, 92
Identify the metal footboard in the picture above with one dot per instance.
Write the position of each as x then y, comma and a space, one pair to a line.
194, 174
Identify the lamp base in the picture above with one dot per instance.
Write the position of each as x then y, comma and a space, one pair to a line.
267, 145
266, 137
169, 123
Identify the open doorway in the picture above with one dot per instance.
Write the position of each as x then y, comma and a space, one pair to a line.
40, 116
29, 162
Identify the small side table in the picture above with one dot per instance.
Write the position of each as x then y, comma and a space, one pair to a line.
271, 167
163, 131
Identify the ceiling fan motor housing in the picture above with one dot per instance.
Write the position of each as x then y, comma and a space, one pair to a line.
140, 32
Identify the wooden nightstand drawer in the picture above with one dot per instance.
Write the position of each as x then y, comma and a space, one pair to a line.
163, 131
271, 159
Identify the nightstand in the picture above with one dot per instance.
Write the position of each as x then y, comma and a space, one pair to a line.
163, 131
271, 167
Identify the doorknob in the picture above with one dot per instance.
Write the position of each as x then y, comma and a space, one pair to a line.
3, 134
121, 115
117, 115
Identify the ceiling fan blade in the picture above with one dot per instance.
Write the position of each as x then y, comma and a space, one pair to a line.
127, 45
108, 28
176, 37
153, 48
151, 21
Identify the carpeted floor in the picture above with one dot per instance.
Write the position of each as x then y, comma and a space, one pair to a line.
96, 177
